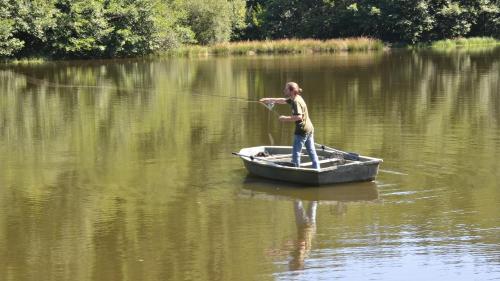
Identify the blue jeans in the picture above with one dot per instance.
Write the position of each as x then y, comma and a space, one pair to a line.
298, 142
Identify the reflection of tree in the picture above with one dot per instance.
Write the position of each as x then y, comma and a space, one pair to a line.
306, 228
118, 145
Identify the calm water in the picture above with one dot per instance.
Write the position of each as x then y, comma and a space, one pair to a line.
122, 170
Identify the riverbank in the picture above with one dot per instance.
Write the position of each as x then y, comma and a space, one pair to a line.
465, 43
284, 46
300, 46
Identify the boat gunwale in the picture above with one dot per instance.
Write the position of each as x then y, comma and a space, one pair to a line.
271, 164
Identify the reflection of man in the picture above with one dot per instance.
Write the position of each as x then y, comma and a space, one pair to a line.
306, 228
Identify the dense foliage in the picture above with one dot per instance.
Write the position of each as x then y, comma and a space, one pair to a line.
407, 21
113, 28
118, 28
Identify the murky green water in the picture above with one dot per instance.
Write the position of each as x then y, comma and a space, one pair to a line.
122, 170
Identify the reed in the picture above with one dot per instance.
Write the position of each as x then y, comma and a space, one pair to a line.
284, 46
22, 61
464, 42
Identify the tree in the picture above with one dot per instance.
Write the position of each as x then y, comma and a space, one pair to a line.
405, 21
488, 19
253, 24
81, 29
347, 18
24, 25
453, 20
282, 18
214, 21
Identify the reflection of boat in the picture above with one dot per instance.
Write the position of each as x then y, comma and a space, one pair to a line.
336, 197
347, 192
337, 166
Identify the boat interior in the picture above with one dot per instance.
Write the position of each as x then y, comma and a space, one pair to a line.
282, 156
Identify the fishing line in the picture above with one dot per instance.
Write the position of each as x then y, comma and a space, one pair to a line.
43, 82
270, 107
334, 152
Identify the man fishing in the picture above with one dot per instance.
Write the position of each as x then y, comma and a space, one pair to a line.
304, 129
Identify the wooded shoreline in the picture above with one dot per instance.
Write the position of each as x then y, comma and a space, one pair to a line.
299, 46
103, 29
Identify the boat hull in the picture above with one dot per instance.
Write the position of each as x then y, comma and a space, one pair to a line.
366, 169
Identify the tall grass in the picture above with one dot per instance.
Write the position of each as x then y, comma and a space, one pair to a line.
464, 42
15, 61
285, 46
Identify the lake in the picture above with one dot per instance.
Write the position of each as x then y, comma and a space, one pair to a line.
122, 169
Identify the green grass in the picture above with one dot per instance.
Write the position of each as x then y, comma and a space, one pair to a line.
285, 46
465, 42
300, 46
24, 61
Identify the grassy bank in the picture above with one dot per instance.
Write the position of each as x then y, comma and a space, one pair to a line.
285, 46
16, 61
465, 43
298, 46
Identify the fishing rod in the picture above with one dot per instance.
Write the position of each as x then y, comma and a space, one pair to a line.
269, 106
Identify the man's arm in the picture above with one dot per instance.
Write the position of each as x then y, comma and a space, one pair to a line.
273, 100
292, 118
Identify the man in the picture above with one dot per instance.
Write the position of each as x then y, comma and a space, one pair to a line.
303, 126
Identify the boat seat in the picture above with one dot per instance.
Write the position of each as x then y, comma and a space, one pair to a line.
332, 160
281, 156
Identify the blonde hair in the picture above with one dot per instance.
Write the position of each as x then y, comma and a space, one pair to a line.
292, 86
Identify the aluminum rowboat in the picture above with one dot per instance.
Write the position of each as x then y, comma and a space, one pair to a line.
336, 166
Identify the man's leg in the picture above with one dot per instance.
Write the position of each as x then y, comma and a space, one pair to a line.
311, 150
298, 142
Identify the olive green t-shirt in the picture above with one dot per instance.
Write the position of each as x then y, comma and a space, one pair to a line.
299, 107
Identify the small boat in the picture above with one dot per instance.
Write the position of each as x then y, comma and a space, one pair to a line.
336, 166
